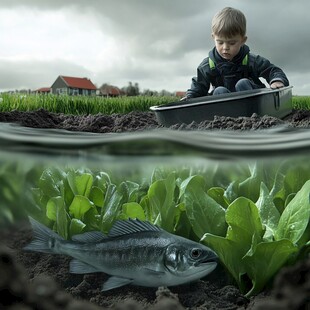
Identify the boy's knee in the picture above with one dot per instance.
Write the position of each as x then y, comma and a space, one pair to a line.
244, 84
220, 90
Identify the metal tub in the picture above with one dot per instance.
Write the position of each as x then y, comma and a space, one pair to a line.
265, 101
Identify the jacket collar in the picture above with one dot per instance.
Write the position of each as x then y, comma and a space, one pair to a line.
215, 56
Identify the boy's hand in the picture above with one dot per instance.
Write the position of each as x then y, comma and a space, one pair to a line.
276, 84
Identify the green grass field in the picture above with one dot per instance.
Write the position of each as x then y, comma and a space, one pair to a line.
79, 105
301, 102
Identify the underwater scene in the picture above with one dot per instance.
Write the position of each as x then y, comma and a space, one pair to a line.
245, 197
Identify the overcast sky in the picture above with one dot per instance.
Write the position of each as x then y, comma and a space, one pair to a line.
156, 43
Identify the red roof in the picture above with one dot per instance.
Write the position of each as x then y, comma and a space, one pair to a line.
44, 90
180, 93
110, 90
75, 82
113, 90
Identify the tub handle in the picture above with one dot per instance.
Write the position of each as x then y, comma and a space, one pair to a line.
276, 100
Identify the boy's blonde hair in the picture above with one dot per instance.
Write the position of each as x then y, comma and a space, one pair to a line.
229, 22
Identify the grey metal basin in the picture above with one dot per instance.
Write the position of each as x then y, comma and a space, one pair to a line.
265, 101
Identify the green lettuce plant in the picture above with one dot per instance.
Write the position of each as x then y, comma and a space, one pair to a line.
259, 240
14, 178
75, 201
255, 217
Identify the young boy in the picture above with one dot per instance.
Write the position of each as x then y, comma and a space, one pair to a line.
230, 66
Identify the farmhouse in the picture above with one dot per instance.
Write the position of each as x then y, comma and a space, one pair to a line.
43, 90
110, 91
67, 85
180, 94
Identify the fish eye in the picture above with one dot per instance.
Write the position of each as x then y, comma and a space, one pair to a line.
195, 253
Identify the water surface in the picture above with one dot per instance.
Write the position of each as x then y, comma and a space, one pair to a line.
220, 156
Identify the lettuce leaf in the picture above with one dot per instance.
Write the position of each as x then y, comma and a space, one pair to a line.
295, 217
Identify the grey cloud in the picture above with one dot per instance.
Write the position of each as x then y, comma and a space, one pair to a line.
279, 32
165, 31
35, 74
118, 8
277, 26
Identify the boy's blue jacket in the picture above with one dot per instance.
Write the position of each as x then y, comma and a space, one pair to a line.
228, 73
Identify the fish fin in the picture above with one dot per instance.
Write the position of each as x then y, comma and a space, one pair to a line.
153, 272
126, 227
76, 266
115, 282
43, 238
89, 237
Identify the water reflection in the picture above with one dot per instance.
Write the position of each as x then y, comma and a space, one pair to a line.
226, 160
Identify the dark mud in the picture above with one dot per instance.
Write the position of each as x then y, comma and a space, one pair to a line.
135, 121
42, 281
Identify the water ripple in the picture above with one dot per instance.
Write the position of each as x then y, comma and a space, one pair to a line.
219, 143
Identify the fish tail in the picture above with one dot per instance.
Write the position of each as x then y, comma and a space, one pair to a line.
44, 239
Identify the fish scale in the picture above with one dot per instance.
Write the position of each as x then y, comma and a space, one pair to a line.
131, 251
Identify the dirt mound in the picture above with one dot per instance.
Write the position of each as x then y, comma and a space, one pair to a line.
134, 121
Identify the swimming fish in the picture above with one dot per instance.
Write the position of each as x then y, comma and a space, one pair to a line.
134, 252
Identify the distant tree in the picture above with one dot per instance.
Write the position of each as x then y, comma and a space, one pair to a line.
132, 90
137, 89
149, 92
165, 93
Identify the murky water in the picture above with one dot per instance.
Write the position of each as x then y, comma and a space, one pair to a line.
221, 157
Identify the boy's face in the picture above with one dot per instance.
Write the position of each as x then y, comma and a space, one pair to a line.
228, 48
